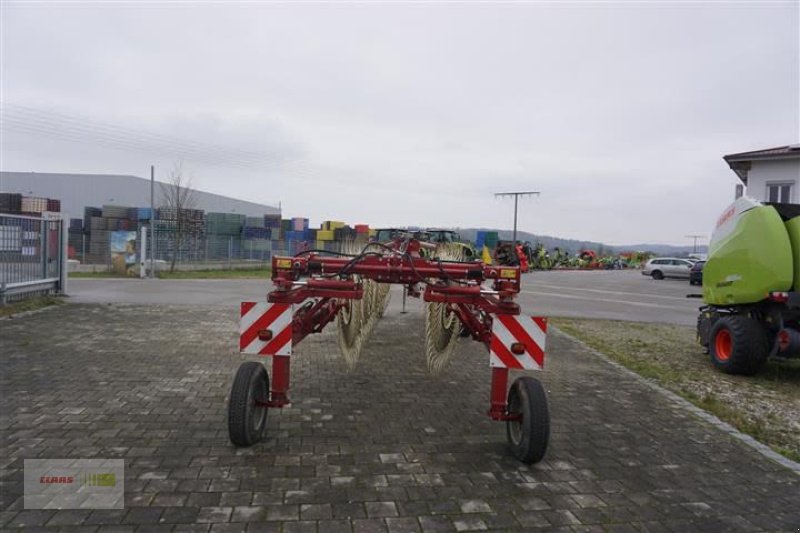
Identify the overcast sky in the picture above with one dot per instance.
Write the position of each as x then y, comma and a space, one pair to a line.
414, 114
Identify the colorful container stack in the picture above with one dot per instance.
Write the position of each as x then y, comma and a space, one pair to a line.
88, 214
255, 229
299, 224
33, 205
98, 247
480, 239
191, 225
273, 223
345, 233
120, 218
491, 239
224, 223
206, 236
75, 238
325, 235
191, 220
256, 243
10, 203
332, 225
223, 234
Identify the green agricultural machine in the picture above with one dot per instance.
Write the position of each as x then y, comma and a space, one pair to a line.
751, 287
447, 236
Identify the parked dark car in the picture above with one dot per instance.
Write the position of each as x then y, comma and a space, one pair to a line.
696, 273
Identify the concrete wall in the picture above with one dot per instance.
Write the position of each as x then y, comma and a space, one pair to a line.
763, 173
77, 191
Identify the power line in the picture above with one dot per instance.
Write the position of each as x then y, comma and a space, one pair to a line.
67, 121
695, 237
110, 142
97, 137
67, 128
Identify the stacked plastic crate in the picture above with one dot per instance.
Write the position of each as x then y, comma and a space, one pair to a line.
10, 203
273, 224
53, 205
33, 205
295, 235
75, 239
480, 239
95, 230
223, 235
325, 235
256, 243
180, 233
102, 222
120, 218
491, 239
345, 233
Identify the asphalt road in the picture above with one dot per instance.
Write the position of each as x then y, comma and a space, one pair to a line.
618, 295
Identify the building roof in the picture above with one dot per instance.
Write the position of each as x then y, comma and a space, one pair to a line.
77, 191
741, 162
789, 151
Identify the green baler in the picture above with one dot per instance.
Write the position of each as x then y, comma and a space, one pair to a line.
751, 286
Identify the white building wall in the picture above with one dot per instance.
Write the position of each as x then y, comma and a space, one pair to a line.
763, 173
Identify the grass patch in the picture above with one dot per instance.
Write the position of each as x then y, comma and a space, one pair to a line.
99, 274
765, 406
236, 273
29, 304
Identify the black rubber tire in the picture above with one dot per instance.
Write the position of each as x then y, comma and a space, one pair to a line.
748, 348
528, 437
657, 274
247, 422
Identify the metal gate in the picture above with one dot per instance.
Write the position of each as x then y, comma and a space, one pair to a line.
33, 256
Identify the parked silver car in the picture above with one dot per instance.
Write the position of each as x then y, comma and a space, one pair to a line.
668, 267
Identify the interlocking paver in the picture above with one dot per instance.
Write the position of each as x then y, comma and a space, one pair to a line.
386, 447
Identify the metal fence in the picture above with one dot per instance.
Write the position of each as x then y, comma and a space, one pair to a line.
190, 250
33, 256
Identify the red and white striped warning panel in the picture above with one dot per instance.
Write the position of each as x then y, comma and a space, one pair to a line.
265, 328
518, 342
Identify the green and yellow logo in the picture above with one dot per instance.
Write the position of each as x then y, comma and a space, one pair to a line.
108, 479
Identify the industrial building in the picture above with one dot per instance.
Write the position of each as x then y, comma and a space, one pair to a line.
76, 191
106, 210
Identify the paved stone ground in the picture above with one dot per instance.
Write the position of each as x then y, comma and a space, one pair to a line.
386, 448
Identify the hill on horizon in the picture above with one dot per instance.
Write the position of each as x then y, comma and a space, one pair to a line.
575, 245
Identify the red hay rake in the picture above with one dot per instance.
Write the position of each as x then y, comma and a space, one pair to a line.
311, 288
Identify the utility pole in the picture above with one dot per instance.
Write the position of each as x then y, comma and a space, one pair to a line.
516, 196
695, 237
152, 222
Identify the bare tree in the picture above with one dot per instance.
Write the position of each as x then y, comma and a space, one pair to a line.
178, 197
